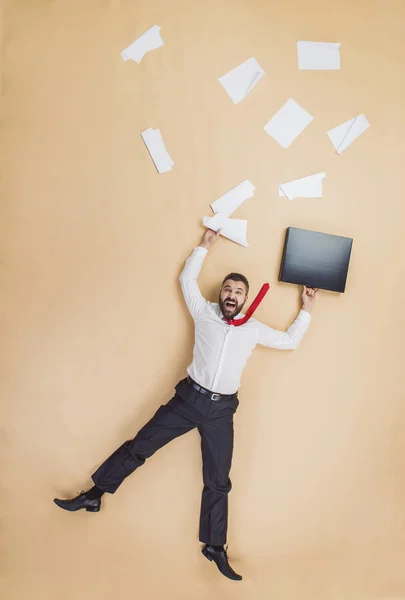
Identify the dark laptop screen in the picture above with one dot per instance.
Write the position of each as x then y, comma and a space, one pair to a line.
314, 259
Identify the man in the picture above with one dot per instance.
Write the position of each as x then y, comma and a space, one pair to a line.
206, 399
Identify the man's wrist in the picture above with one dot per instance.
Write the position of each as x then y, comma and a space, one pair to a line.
306, 309
205, 246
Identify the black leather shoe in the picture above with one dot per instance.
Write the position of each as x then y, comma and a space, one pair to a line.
220, 558
81, 501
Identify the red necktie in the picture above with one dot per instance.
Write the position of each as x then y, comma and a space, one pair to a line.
252, 308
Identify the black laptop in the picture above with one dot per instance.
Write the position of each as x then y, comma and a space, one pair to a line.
314, 259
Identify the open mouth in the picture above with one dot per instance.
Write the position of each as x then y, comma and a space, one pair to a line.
230, 304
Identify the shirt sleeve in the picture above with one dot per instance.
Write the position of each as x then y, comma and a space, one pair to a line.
284, 340
195, 301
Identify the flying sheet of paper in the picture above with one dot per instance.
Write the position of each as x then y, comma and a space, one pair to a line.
306, 187
344, 135
150, 40
288, 123
318, 56
230, 201
241, 80
155, 144
233, 229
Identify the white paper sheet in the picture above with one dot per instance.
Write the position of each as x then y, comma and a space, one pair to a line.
150, 40
155, 144
305, 187
233, 229
318, 56
230, 201
241, 80
344, 135
288, 123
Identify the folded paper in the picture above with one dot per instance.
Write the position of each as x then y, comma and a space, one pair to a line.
150, 40
230, 201
154, 143
306, 187
241, 80
344, 135
233, 229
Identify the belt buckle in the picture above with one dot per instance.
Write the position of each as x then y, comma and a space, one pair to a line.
215, 397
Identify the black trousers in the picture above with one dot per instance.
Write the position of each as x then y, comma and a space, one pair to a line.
187, 410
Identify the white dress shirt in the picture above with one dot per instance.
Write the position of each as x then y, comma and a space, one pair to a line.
221, 350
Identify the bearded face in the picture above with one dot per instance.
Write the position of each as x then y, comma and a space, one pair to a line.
232, 297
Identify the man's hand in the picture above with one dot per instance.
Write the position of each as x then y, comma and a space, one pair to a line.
308, 298
209, 238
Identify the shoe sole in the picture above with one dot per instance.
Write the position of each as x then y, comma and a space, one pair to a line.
88, 509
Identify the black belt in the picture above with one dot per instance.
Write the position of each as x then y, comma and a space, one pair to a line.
211, 395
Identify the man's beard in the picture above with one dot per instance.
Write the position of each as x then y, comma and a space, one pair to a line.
228, 312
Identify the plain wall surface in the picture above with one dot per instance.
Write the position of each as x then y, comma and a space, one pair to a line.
95, 333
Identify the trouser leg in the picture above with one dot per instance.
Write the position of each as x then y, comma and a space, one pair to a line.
217, 449
169, 422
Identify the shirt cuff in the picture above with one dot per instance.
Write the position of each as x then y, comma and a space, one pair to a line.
200, 251
305, 316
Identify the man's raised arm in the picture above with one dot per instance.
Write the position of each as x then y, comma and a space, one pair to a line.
195, 301
290, 339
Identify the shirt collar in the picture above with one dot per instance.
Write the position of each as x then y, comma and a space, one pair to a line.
221, 314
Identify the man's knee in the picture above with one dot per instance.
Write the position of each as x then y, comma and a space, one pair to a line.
222, 488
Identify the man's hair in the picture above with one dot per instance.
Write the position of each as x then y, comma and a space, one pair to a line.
237, 277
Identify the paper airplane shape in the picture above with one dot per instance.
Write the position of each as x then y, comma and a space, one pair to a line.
344, 135
318, 56
306, 187
155, 144
241, 80
288, 123
150, 40
233, 229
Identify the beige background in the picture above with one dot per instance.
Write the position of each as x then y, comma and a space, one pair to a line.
95, 333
